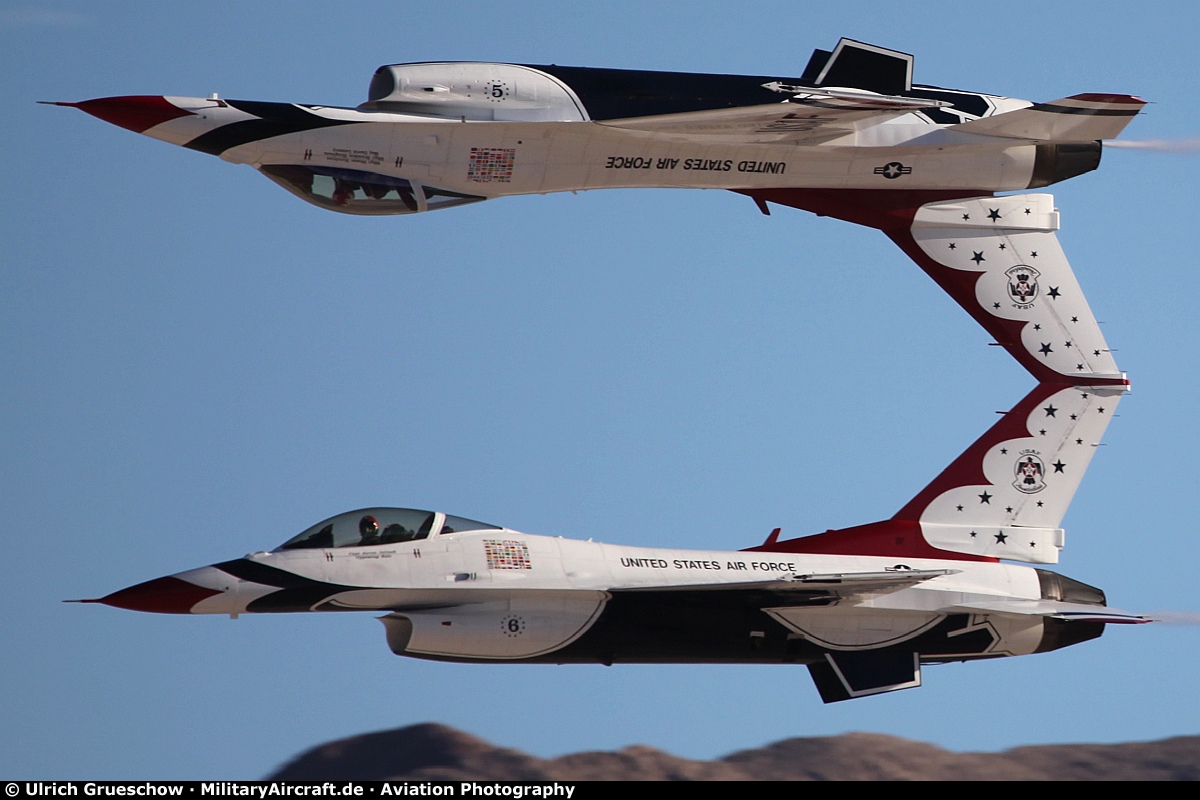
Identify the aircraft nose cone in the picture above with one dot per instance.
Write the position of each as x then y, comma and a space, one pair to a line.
161, 595
137, 113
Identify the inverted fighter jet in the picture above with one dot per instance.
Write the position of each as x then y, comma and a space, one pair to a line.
853, 138
863, 608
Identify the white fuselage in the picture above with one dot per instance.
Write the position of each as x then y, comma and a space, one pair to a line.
576, 156
460, 564
543, 157
501, 594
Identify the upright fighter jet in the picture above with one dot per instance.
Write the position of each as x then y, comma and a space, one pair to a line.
863, 608
852, 138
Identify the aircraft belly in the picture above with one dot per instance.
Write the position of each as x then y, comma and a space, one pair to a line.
1019, 635
692, 628
854, 627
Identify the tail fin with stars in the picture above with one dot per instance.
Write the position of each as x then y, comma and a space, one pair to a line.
1003, 498
998, 258
1006, 495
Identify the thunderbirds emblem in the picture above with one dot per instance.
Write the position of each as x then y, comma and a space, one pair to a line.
1030, 473
1022, 285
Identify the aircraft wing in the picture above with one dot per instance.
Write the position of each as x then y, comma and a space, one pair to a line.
840, 584
846, 584
811, 117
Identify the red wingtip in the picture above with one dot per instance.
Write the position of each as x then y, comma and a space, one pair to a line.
138, 113
161, 595
1097, 97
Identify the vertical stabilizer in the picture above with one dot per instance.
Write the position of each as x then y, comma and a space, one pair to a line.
1003, 498
998, 258
1006, 495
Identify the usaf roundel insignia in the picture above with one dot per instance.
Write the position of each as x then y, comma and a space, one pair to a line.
1022, 285
1030, 473
893, 170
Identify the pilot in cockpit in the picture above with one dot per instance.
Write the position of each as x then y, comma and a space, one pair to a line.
368, 529
343, 191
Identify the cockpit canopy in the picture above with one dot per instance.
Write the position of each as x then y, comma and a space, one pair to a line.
374, 526
353, 191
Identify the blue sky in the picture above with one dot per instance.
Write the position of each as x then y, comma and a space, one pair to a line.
198, 365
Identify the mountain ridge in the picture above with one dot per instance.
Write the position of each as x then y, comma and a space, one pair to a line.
430, 751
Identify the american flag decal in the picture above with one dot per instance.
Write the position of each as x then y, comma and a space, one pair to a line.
506, 554
491, 164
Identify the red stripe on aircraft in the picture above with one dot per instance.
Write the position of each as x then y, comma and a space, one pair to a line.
161, 595
1109, 98
967, 469
137, 113
899, 538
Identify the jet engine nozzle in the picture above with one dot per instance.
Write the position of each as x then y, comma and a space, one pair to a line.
1058, 162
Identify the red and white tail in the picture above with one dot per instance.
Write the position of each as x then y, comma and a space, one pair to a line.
1006, 495
1003, 498
998, 258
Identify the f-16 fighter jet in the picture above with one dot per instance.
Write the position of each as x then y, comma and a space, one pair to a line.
863, 608
852, 137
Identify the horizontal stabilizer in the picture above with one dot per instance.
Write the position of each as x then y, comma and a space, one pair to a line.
1051, 608
1078, 118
